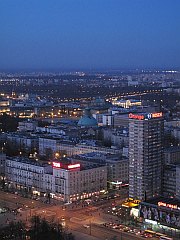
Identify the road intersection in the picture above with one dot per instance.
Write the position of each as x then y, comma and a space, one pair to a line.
73, 217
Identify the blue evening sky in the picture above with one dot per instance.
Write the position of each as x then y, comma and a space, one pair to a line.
89, 34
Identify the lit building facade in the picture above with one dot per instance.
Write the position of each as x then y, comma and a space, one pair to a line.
72, 182
127, 103
63, 181
161, 213
117, 167
24, 173
145, 155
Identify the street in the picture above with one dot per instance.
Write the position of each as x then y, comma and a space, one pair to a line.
80, 219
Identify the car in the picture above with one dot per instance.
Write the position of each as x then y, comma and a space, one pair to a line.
146, 235
88, 201
115, 226
125, 229
19, 210
86, 226
67, 203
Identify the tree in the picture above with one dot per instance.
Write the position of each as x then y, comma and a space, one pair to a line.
41, 229
49, 153
14, 231
8, 123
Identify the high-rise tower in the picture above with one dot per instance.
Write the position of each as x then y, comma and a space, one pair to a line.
145, 155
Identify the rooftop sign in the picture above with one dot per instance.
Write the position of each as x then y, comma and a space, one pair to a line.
168, 205
145, 116
56, 165
134, 116
72, 166
157, 115
65, 166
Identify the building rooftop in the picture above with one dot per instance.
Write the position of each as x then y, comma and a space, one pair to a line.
98, 157
66, 164
172, 149
27, 161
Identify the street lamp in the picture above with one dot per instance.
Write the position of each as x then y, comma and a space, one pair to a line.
57, 155
121, 235
31, 209
90, 227
44, 213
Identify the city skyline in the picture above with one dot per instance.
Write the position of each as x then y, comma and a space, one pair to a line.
98, 154
89, 119
82, 35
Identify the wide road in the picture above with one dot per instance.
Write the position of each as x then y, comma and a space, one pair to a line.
75, 216
102, 232
14, 201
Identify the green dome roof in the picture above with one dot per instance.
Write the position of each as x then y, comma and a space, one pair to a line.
87, 120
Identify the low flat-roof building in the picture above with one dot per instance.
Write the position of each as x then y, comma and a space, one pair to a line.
161, 211
117, 167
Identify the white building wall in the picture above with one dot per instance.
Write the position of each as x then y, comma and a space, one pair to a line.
76, 183
67, 185
108, 120
25, 174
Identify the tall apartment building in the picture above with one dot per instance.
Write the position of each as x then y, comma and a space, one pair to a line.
145, 155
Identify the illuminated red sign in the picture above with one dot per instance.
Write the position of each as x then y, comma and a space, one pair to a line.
162, 204
149, 116
65, 166
157, 115
77, 165
134, 116
56, 165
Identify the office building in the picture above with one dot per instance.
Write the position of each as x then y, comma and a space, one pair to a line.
172, 155
171, 181
145, 155
117, 167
